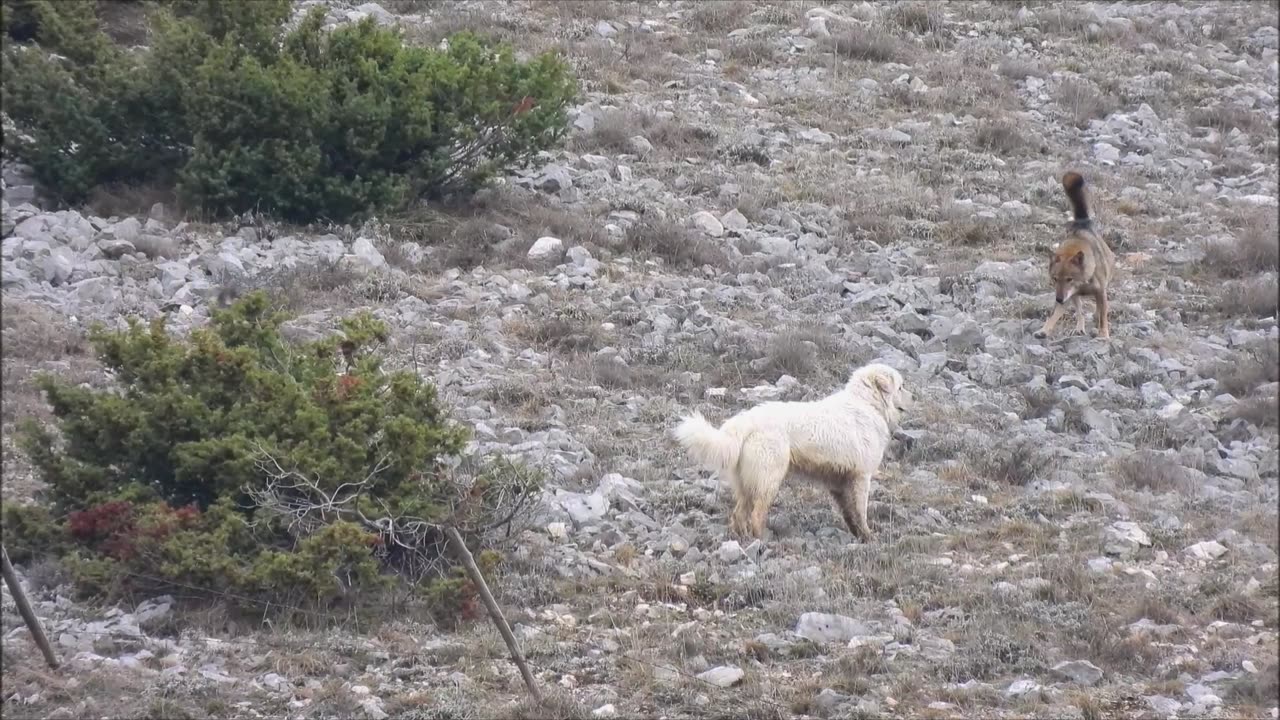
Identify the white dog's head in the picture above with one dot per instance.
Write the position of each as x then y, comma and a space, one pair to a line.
882, 386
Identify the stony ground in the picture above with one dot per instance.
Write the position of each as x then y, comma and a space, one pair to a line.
756, 198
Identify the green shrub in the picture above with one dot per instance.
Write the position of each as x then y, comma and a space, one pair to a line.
235, 461
31, 530
242, 115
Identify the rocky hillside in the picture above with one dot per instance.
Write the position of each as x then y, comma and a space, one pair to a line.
756, 198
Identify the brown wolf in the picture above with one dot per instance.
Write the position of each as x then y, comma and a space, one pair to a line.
1081, 265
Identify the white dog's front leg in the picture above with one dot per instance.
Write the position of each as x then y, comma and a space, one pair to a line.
861, 495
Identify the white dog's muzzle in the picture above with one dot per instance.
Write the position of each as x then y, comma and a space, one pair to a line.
905, 400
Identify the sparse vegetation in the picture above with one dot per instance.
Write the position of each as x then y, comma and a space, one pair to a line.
1007, 493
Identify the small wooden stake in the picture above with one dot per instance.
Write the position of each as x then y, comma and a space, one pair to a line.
24, 607
495, 612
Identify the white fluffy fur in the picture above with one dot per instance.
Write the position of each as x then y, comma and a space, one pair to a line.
839, 440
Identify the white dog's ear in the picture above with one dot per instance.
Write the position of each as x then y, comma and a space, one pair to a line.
882, 383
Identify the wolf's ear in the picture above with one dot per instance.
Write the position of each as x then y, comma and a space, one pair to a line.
1078, 260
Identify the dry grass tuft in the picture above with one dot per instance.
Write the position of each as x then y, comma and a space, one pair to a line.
1111, 646
674, 243
564, 332
1254, 366
1153, 609
867, 44
806, 353
36, 332
554, 705
453, 18
970, 231
304, 286
752, 51
609, 371
1001, 137
718, 16
923, 18
1017, 465
1238, 608
1084, 103
1016, 69
614, 130
1254, 247
130, 200
1260, 689
1040, 402
1261, 409
1153, 471
1225, 118
1256, 297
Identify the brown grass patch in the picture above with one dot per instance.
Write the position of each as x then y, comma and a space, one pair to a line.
1000, 137
923, 18
752, 51
1256, 297
36, 332
676, 244
109, 201
611, 372
970, 231
614, 130
805, 353
1105, 642
1225, 118
1260, 689
1261, 409
450, 19
718, 16
1016, 69
1253, 366
1254, 247
34, 339
554, 705
867, 44
1238, 608
562, 332
1018, 464
1153, 609
1153, 471
1083, 103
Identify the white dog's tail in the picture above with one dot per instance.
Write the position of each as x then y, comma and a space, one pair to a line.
710, 446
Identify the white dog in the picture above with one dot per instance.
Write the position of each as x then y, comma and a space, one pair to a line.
838, 440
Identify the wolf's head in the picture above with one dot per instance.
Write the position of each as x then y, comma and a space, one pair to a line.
1070, 267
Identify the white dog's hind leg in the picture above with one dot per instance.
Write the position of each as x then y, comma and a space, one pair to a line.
738, 519
762, 466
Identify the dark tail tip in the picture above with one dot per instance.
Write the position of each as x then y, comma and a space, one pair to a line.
1073, 183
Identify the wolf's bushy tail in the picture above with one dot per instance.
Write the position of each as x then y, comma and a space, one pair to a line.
1073, 184
707, 444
